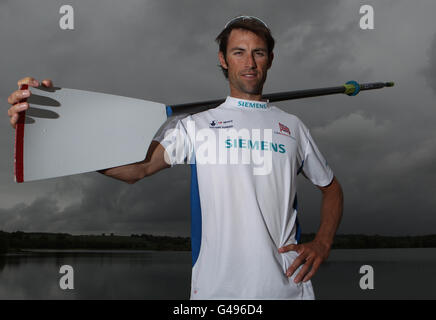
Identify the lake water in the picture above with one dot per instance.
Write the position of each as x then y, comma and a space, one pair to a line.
398, 274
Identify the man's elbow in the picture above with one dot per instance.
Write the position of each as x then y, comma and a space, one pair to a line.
131, 181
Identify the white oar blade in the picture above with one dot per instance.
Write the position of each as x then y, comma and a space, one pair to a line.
70, 131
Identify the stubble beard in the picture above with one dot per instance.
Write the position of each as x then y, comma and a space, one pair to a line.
253, 89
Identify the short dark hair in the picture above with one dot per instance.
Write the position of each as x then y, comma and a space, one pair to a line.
251, 24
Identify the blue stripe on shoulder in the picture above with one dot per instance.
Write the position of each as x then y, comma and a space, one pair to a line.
169, 111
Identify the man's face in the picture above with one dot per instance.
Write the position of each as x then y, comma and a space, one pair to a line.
247, 63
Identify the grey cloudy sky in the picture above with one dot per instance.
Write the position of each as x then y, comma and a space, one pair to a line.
381, 145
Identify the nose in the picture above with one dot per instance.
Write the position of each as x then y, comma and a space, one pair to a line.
250, 62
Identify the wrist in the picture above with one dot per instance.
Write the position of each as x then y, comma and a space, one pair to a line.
325, 241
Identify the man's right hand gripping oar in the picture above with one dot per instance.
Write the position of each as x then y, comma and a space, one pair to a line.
18, 98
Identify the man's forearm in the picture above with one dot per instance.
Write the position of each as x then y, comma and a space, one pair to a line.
331, 213
313, 253
129, 173
154, 162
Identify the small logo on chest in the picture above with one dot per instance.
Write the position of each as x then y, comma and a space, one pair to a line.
217, 124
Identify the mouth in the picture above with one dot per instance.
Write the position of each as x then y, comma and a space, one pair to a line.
249, 75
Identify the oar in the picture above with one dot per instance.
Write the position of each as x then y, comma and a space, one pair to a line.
68, 131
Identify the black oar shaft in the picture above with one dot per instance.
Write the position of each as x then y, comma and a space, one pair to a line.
299, 94
351, 88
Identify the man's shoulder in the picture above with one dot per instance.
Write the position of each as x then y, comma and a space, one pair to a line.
286, 116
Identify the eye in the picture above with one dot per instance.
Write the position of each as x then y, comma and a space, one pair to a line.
260, 53
238, 52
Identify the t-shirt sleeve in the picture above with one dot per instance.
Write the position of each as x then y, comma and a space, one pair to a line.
314, 165
175, 135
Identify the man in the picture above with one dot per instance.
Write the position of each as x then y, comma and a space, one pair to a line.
245, 229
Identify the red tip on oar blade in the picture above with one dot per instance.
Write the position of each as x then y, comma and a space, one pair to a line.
19, 142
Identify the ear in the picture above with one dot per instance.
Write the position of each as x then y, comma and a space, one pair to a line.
222, 60
271, 58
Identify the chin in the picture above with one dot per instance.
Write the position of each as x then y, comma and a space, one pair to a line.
255, 90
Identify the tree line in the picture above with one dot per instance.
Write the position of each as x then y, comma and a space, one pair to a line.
16, 241
19, 240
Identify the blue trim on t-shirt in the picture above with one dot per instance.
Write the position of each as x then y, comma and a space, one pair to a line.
169, 111
301, 168
195, 215
297, 223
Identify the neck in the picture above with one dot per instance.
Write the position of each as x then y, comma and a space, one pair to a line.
246, 96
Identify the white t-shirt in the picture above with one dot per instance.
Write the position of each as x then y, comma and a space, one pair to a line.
245, 157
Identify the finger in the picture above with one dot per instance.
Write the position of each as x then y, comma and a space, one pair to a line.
29, 81
295, 265
18, 95
304, 270
14, 120
314, 269
14, 111
47, 83
290, 247
16, 108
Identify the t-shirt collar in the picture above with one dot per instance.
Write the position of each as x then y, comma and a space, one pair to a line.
247, 104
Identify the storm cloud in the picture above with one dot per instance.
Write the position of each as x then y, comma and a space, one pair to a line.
380, 144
